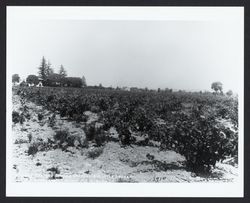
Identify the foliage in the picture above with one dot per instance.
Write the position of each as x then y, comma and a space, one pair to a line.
44, 69
61, 136
23, 83
189, 123
48, 70
52, 120
15, 78
95, 109
62, 71
30, 137
32, 79
64, 139
94, 153
33, 149
229, 93
15, 117
90, 131
84, 83
53, 171
79, 118
20, 141
19, 117
95, 133
100, 136
40, 116
203, 141
217, 86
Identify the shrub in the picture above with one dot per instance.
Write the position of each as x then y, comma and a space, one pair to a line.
142, 121
80, 118
29, 137
103, 105
40, 116
125, 180
32, 79
61, 136
15, 117
94, 153
53, 171
124, 133
85, 143
95, 109
94, 133
203, 142
27, 115
100, 136
85, 118
22, 118
52, 120
33, 149
90, 131
20, 141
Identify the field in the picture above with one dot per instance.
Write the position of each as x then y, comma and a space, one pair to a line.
104, 135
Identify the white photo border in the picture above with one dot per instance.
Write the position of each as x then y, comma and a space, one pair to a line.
42, 189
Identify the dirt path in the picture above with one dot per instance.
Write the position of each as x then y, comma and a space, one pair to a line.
114, 163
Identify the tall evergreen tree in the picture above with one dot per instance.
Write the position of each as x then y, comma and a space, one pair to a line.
48, 69
84, 83
62, 71
42, 69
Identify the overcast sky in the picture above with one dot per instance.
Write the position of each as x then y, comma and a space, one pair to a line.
184, 53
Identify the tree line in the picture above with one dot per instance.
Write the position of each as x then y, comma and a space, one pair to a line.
47, 77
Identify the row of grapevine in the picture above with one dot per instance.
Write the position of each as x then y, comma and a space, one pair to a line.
191, 121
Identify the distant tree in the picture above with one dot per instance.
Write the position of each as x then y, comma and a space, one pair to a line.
32, 79
62, 71
42, 69
84, 83
168, 90
23, 83
229, 93
100, 85
217, 86
48, 70
15, 78
159, 89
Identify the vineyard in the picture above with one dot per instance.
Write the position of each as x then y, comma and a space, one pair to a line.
202, 127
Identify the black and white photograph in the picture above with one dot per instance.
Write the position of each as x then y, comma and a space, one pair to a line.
125, 101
